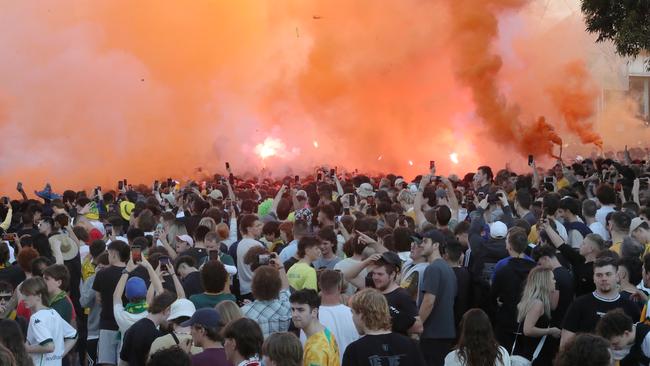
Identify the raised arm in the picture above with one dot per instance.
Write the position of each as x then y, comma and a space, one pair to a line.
277, 263
178, 286
119, 288
451, 197
419, 199
339, 188
277, 198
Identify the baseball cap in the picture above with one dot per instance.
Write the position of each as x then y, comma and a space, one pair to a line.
436, 236
365, 190
638, 222
186, 238
216, 194
498, 230
181, 308
206, 317
136, 288
392, 258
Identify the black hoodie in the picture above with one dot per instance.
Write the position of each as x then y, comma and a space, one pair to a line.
507, 287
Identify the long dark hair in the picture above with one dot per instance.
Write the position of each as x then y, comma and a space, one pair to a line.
11, 336
477, 345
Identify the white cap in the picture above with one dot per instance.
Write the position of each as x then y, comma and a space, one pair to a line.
181, 307
186, 238
365, 190
498, 230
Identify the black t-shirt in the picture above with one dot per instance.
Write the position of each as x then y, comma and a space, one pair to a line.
192, 284
12, 274
464, 286
384, 349
565, 285
105, 282
586, 310
137, 342
402, 310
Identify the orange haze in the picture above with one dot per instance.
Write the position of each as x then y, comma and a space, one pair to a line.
96, 91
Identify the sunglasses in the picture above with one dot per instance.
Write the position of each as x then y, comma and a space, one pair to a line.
5, 297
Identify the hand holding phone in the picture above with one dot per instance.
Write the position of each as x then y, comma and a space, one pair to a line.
263, 259
531, 160
136, 254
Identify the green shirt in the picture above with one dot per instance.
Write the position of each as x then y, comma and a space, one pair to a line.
62, 306
209, 301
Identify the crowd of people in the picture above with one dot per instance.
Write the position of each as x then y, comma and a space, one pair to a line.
546, 267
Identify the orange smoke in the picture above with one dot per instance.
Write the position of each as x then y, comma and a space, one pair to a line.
93, 92
574, 97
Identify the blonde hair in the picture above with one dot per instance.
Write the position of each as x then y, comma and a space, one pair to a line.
208, 222
229, 311
373, 308
539, 286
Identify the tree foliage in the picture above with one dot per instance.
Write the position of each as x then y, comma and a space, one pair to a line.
624, 22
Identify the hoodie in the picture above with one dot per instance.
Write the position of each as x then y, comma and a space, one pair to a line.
507, 287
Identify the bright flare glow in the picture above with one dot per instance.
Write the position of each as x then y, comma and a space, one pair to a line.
410, 162
454, 157
316, 144
269, 147
379, 158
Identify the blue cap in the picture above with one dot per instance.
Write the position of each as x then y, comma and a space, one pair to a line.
206, 317
136, 288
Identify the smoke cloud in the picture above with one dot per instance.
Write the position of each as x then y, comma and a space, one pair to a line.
93, 92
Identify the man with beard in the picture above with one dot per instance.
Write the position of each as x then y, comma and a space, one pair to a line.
403, 311
586, 310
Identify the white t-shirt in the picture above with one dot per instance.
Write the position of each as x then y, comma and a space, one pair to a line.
343, 266
244, 270
598, 228
601, 214
338, 319
44, 325
452, 358
124, 319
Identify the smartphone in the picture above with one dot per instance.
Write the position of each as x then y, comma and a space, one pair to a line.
332, 173
263, 259
227, 165
231, 179
136, 254
19, 186
125, 183
352, 200
432, 164
549, 180
156, 185
530, 160
213, 255
164, 260
319, 177
120, 185
481, 195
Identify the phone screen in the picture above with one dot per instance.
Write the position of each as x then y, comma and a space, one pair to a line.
432, 164
165, 260
136, 254
120, 185
227, 165
264, 259
332, 172
320, 176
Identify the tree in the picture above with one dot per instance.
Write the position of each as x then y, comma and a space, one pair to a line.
624, 22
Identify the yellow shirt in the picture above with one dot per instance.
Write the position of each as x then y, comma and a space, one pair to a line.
562, 183
321, 349
87, 268
616, 247
301, 276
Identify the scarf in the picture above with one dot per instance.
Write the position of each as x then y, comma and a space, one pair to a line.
58, 297
136, 307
